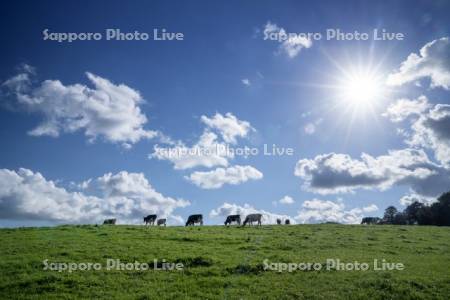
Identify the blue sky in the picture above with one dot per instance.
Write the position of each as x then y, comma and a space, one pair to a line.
226, 75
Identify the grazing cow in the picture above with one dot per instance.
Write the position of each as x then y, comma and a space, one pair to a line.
279, 221
371, 220
253, 218
287, 222
193, 219
109, 222
150, 219
161, 222
233, 218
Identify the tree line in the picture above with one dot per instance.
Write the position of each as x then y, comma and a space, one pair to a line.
438, 213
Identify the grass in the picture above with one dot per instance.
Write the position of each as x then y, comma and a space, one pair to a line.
226, 263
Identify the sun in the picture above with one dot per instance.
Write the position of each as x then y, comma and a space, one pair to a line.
357, 86
360, 89
352, 91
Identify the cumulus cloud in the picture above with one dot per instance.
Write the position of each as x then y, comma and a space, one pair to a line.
212, 148
432, 130
403, 108
432, 62
217, 178
207, 152
370, 208
286, 200
234, 209
228, 126
430, 125
409, 199
27, 195
320, 211
289, 44
339, 173
105, 110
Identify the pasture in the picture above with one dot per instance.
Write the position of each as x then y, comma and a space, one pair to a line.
225, 263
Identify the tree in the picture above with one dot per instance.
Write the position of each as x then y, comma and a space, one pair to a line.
389, 215
411, 212
400, 219
425, 216
437, 213
441, 210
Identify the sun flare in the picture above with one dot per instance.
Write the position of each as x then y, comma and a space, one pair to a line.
357, 92
361, 89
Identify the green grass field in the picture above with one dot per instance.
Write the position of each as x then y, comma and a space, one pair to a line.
226, 263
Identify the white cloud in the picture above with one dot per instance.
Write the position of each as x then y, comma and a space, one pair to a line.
18, 84
339, 173
408, 199
217, 178
234, 209
207, 152
26, 68
432, 130
322, 205
286, 200
403, 108
430, 125
370, 208
106, 110
432, 62
290, 45
320, 211
246, 81
228, 126
27, 195
210, 150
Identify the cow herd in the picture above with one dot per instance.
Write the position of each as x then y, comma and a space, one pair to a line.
150, 220
198, 219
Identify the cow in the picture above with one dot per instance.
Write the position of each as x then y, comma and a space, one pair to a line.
161, 222
279, 221
193, 219
371, 220
109, 222
287, 222
150, 219
233, 218
252, 218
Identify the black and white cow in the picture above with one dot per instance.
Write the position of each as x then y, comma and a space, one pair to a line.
161, 222
253, 218
193, 219
371, 220
233, 218
150, 219
109, 222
